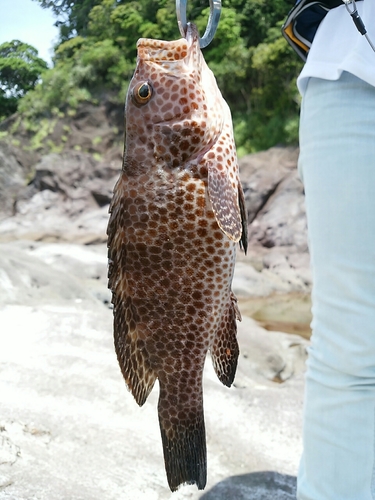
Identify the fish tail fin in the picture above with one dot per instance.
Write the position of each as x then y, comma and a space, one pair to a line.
225, 350
184, 447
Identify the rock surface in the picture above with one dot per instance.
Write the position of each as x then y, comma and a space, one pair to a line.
71, 183
96, 129
255, 486
68, 427
64, 198
274, 198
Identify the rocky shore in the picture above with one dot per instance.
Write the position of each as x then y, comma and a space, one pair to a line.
68, 427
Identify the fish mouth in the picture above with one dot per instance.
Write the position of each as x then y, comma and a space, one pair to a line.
192, 35
161, 51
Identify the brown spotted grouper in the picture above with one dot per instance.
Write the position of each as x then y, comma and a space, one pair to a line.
177, 213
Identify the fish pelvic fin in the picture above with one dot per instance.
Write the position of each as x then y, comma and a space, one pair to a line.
184, 445
225, 350
131, 354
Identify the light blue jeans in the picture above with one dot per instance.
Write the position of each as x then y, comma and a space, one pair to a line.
337, 167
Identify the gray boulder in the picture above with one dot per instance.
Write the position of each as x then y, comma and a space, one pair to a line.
274, 199
254, 486
11, 180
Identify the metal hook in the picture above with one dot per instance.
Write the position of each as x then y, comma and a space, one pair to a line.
358, 20
213, 20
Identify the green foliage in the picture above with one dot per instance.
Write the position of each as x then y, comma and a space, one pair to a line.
255, 68
75, 14
20, 69
8, 105
60, 88
274, 99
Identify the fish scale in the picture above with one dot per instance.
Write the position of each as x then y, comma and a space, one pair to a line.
177, 214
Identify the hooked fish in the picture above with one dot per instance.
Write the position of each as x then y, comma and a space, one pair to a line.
176, 215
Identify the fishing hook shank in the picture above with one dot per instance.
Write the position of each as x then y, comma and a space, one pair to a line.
213, 20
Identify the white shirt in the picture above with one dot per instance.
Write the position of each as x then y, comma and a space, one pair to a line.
338, 46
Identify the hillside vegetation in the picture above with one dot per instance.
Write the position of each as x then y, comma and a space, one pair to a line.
95, 58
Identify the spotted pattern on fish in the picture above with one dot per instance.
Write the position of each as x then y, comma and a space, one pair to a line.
176, 215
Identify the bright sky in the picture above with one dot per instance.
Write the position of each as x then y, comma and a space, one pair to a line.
25, 20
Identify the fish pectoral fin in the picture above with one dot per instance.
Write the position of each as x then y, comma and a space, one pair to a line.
243, 210
131, 355
225, 350
224, 200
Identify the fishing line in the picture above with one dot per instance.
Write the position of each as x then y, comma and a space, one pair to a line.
360, 25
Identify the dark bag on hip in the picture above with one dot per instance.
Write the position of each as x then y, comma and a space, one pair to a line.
303, 21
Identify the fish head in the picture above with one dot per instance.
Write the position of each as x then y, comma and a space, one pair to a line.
173, 107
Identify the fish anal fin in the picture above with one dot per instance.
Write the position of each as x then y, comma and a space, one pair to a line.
225, 350
224, 201
131, 353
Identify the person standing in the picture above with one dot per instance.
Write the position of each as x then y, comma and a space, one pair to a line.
337, 168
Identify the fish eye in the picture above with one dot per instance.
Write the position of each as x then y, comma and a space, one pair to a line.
142, 93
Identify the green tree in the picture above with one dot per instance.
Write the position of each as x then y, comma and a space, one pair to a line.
255, 68
72, 15
20, 70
